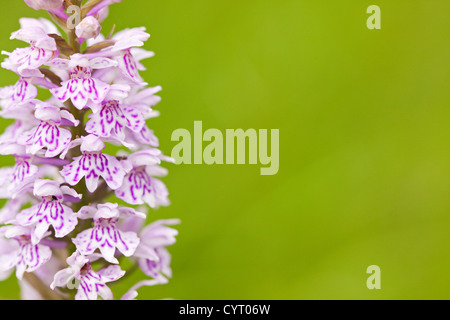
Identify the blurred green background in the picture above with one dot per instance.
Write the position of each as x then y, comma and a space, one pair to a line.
364, 135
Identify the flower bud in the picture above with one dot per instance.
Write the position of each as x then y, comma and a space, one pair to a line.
44, 4
88, 28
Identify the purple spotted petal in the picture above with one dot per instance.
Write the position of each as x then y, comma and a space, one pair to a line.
92, 166
24, 255
23, 173
128, 66
31, 257
47, 135
81, 91
91, 286
48, 213
30, 58
139, 187
22, 91
112, 119
107, 238
157, 268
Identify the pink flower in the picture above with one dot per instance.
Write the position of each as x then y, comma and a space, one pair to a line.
93, 164
140, 185
21, 253
113, 119
82, 87
48, 134
127, 62
154, 259
22, 173
124, 121
105, 236
42, 47
50, 211
23, 91
90, 284
127, 53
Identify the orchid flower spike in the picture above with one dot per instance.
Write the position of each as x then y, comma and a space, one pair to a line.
63, 190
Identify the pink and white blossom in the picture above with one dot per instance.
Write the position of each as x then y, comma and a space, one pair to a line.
50, 211
48, 133
105, 236
16, 97
90, 284
93, 164
154, 258
82, 87
21, 253
42, 46
140, 185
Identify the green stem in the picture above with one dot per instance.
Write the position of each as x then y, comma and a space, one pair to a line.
73, 41
44, 290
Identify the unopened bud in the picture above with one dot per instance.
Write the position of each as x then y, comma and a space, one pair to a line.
88, 28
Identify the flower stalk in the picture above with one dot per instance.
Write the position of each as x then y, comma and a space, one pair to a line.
59, 235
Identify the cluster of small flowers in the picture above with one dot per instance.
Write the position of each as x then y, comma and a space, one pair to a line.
58, 228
